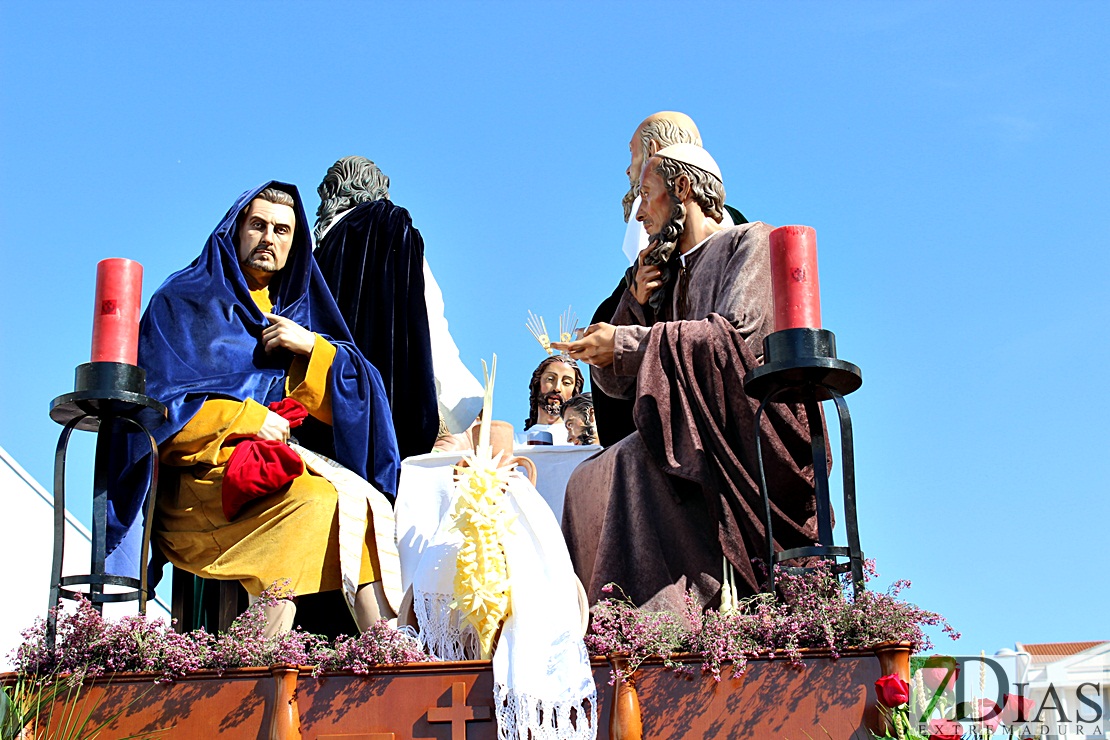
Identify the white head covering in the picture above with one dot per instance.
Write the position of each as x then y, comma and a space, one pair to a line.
693, 155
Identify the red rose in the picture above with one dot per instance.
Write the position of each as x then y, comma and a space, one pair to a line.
892, 691
988, 713
945, 729
936, 668
1016, 709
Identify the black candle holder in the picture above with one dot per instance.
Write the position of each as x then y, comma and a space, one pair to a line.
801, 366
107, 396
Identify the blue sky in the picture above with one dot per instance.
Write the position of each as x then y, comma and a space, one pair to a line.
953, 158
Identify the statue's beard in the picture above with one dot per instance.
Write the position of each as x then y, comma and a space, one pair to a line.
664, 242
263, 262
552, 404
630, 198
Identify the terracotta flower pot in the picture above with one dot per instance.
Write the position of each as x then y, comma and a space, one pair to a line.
894, 659
625, 722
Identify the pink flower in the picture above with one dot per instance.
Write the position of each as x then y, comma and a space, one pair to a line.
892, 691
945, 729
1016, 709
988, 713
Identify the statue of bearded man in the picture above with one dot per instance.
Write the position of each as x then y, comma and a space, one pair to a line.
656, 512
657, 131
555, 381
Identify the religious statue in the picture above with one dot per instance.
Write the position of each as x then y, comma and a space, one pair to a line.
662, 129
555, 381
372, 259
656, 511
242, 346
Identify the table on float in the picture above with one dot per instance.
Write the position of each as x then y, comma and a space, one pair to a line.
425, 492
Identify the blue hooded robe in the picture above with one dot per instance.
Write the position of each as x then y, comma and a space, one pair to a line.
200, 338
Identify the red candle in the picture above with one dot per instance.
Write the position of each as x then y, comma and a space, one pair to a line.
119, 291
794, 278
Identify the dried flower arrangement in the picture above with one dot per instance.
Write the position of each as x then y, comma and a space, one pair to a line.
815, 610
89, 645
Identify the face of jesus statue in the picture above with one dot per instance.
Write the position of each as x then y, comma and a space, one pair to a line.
556, 386
656, 204
265, 237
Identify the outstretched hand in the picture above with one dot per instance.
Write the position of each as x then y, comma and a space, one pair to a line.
283, 332
596, 346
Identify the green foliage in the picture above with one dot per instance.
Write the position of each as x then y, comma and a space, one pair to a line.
57, 709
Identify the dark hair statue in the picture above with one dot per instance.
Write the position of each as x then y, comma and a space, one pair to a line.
348, 182
583, 405
534, 396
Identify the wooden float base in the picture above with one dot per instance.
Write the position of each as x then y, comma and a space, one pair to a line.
825, 698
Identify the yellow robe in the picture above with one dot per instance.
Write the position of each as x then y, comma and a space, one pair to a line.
291, 535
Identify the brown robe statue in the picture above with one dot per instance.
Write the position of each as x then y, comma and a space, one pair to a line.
656, 512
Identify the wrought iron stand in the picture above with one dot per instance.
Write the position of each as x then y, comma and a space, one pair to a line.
107, 395
800, 365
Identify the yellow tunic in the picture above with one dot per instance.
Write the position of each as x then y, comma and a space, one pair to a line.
291, 535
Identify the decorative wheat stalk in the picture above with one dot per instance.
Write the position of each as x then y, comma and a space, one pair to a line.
568, 324
539, 331
481, 569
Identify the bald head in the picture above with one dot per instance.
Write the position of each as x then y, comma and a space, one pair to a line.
668, 127
658, 130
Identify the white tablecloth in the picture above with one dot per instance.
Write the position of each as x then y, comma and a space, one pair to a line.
425, 492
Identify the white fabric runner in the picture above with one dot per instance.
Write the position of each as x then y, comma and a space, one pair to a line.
355, 494
541, 670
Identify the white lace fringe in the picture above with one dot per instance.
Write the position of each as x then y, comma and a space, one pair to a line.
439, 628
520, 717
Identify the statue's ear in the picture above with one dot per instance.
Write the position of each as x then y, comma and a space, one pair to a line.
682, 187
652, 148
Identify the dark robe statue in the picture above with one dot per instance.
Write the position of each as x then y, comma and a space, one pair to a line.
614, 415
373, 261
656, 512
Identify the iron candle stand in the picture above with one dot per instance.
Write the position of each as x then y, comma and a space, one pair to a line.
800, 365
106, 395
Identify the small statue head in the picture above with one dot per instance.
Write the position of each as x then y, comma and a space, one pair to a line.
578, 416
555, 381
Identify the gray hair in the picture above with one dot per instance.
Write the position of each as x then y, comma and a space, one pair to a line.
273, 195
706, 190
664, 132
348, 182
277, 197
